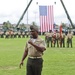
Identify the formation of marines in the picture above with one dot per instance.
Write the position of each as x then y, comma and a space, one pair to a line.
52, 39
12, 34
57, 39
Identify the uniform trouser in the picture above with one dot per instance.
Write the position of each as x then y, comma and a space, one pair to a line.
34, 66
56, 42
7, 36
19, 36
45, 38
11, 36
2, 36
23, 36
69, 41
15, 35
49, 41
27, 36
62, 42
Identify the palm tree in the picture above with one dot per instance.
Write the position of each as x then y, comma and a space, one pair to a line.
5, 26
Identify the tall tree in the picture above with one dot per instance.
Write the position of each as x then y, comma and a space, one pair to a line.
6, 25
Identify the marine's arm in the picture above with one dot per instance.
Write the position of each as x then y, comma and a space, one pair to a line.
38, 47
24, 56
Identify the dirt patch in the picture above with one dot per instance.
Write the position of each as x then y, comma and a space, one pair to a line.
8, 67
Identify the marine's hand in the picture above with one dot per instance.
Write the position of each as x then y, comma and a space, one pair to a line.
30, 42
21, 64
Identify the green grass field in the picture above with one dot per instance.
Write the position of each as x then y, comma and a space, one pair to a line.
57, 61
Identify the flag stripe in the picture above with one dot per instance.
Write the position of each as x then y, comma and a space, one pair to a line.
46, 18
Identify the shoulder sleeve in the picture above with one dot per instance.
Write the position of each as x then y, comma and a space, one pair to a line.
26, 46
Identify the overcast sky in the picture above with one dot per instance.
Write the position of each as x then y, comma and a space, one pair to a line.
12, 10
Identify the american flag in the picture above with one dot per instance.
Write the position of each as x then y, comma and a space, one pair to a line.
46, 18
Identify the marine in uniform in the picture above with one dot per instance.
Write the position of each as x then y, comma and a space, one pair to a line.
62, 39
57, 36
1, 34
54, 39
34, 49
45, 34
12, 34
49, 39
7, 34
15, 34
69, 39
19, 34
27, 34
23, 34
